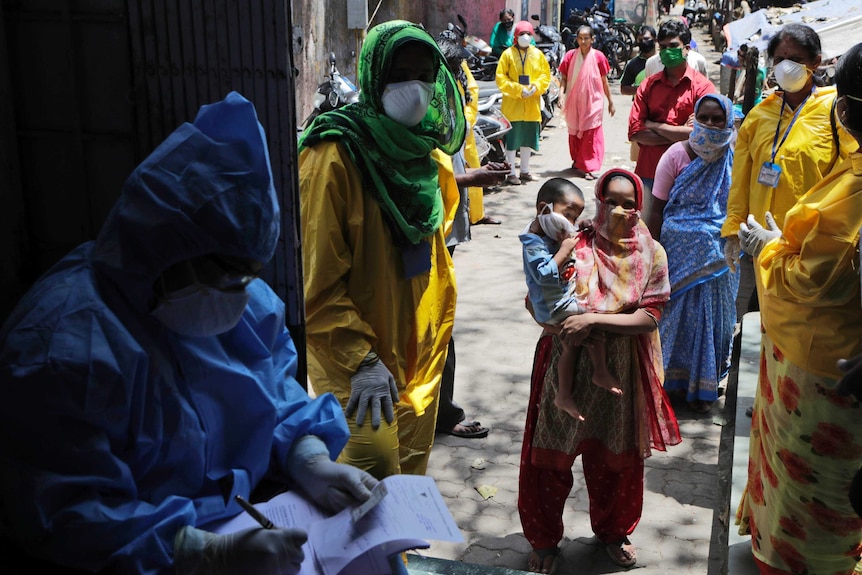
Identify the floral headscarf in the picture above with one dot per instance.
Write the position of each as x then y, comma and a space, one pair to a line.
394, 160
623, 272
709, 143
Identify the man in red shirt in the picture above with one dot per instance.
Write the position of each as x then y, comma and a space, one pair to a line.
663, 109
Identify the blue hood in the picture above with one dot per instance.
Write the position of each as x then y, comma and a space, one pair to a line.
206, 189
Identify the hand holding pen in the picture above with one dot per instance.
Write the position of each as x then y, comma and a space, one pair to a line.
255, 513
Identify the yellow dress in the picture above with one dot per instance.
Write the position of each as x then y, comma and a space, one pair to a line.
471, 154
357, 300
806, 441
805, 157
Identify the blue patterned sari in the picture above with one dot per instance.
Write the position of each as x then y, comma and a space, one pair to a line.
697, 326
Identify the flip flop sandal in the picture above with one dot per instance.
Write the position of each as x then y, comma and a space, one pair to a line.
541, 558
622, 553
589, 176
474, 430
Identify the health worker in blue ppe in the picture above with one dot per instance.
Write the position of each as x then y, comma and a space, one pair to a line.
148, 377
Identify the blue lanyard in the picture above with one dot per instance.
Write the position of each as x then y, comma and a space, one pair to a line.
789, 126
523, 59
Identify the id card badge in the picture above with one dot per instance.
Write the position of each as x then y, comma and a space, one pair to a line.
524, 79
769, 174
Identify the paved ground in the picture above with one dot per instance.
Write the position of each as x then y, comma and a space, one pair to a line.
495, 339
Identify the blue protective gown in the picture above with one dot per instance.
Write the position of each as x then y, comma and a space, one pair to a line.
114, 431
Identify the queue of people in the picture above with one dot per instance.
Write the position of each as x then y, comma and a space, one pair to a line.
135, 347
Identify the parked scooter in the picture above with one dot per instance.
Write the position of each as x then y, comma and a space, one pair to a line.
550, 42
491, 125
477, 52
694, 11
336, 92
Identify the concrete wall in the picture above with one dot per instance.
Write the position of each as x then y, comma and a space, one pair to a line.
321, 27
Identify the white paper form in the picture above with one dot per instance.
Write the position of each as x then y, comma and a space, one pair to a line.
412, 511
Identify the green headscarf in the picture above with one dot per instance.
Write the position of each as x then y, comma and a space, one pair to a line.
394, 160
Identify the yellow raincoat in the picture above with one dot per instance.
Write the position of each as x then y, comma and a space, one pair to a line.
471, 154
509, 68
809, 278
805, 158
357, 300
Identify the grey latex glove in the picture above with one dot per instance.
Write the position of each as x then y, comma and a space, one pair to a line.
731, 252
260, 551
332, 486
754, 237
374, 385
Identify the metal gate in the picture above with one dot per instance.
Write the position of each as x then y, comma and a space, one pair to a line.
95, 85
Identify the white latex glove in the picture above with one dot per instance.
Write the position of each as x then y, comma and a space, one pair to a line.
731, 252
260, 551
754, 237
375, 385
526, 93
332, 486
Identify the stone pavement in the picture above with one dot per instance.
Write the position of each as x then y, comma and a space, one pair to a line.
685, 502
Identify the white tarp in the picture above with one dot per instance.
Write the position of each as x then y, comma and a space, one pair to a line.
837, 22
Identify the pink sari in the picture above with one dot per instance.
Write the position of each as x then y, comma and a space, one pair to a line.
584, 92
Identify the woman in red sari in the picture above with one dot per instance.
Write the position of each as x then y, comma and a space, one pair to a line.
625, 271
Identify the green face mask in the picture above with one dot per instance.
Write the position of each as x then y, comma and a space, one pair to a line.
671, 57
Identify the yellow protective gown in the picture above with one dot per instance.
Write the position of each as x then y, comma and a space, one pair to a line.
471, 154
357, 300
805, 157
510, 66
808, 279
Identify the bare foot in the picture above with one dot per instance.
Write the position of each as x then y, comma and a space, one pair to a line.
567, 404
607, 381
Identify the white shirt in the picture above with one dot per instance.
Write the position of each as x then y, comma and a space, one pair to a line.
695, 60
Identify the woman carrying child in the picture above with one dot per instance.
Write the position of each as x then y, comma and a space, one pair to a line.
548, 245
624, 272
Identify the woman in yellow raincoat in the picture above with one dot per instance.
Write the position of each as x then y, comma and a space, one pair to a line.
806, 438
523, 75
377, 194
786, 144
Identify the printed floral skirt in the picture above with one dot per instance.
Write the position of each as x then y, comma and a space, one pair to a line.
806, 445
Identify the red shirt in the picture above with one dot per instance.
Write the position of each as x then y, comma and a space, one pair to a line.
659, 101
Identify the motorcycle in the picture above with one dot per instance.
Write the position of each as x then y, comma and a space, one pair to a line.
694, 11
336, 92
477, 52
550, 42
491, 125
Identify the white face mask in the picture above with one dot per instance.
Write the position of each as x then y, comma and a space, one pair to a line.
524, 40
200, 311
791, 76
407, 102
555, 225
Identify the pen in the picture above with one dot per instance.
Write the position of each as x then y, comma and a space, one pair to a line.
255, 514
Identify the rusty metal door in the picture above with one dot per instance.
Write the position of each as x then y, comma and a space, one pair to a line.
187, 53
95, 85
